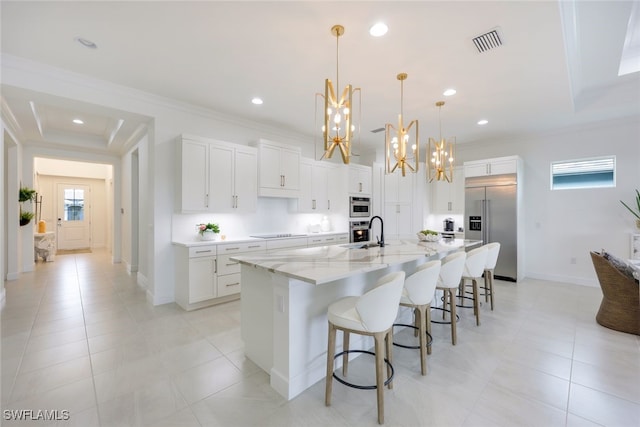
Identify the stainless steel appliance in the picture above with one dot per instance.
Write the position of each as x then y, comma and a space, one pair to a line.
491, 216
448, 224
358, 231
359, 207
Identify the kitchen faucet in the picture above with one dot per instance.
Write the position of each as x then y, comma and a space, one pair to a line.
381, 240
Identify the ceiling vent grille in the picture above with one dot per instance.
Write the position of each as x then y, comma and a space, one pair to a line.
488, 41
377, 130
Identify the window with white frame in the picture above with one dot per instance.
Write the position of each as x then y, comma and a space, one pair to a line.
598, 172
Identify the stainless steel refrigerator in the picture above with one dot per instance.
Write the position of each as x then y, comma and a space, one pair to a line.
491, 216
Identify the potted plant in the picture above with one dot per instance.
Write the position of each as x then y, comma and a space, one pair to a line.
25, 217
635, 213
208, 231
25, 194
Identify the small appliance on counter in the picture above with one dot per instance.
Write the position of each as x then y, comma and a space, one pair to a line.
449, 224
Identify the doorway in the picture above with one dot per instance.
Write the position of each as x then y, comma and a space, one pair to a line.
74, 216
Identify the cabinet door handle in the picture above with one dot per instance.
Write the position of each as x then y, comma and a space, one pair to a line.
284, 180
254, 246
231, 249
229, 264
397, 208
232, 284
206, 200
215, 266
204, 251
449, 204
329, 204
360, 188
313, 204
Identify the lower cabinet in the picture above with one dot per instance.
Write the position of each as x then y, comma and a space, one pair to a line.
332, 239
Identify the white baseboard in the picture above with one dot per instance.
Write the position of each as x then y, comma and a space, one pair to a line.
153, 300
3, 294
132, 268
13, 276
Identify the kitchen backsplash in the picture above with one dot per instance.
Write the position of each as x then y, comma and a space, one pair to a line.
273, 215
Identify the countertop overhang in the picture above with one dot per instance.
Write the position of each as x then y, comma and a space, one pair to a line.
323, 264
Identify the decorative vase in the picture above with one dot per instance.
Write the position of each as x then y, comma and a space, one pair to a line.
42, 226
207, 235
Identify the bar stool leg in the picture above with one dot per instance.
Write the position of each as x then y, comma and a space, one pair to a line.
428, 321
331, 350
345, 356
379, 346
476, 309
452, 305
422, 330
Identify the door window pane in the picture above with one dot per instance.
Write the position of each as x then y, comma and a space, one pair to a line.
73, 204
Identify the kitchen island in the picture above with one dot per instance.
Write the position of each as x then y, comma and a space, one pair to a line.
285, 296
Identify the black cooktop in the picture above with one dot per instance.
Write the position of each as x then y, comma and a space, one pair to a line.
277, 236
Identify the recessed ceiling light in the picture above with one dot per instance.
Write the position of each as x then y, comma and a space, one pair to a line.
86, 43
78, 121
483, 122
256, 101
378, 30
449, 92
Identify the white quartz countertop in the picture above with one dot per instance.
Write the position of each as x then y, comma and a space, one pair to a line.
325, 264
241, 239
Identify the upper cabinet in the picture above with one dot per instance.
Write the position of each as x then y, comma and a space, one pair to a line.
216, 176
278, 169
448, 197
497, 166
321, 187
359, 180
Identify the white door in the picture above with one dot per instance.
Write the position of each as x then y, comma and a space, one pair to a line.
74, 231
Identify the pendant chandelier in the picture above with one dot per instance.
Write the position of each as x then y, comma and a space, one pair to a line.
401, 151
440, 166
338, 126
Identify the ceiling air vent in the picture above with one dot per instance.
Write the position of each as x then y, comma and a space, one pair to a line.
487, 41
377, 130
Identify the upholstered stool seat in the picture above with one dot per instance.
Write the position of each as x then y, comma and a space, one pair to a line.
371, 314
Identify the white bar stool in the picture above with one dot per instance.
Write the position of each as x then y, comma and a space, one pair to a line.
418, 292
371, 314
448, 282
473, 269
493, 250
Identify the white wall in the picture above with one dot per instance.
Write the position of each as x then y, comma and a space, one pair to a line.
563, 226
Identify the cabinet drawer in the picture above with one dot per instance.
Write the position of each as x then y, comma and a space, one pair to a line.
226, 266
235, 248
200, 251
228, 284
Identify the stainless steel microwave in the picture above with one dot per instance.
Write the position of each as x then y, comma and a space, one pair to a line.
359, 207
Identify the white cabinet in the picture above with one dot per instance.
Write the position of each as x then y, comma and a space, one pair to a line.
359, 179
322, 187
228, 273
278, 170
399, 195
448, 197
233, 178
195, 276
216, 176
331, 239
497, 166
192, 171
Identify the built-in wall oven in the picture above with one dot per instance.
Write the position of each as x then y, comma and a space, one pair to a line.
358, 231
359, 207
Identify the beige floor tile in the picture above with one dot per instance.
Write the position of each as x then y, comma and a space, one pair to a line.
52, 356
602, 408
204, 380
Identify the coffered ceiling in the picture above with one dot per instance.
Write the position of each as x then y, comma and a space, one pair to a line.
557, 66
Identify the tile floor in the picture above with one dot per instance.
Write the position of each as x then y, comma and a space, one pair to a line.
78, 335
